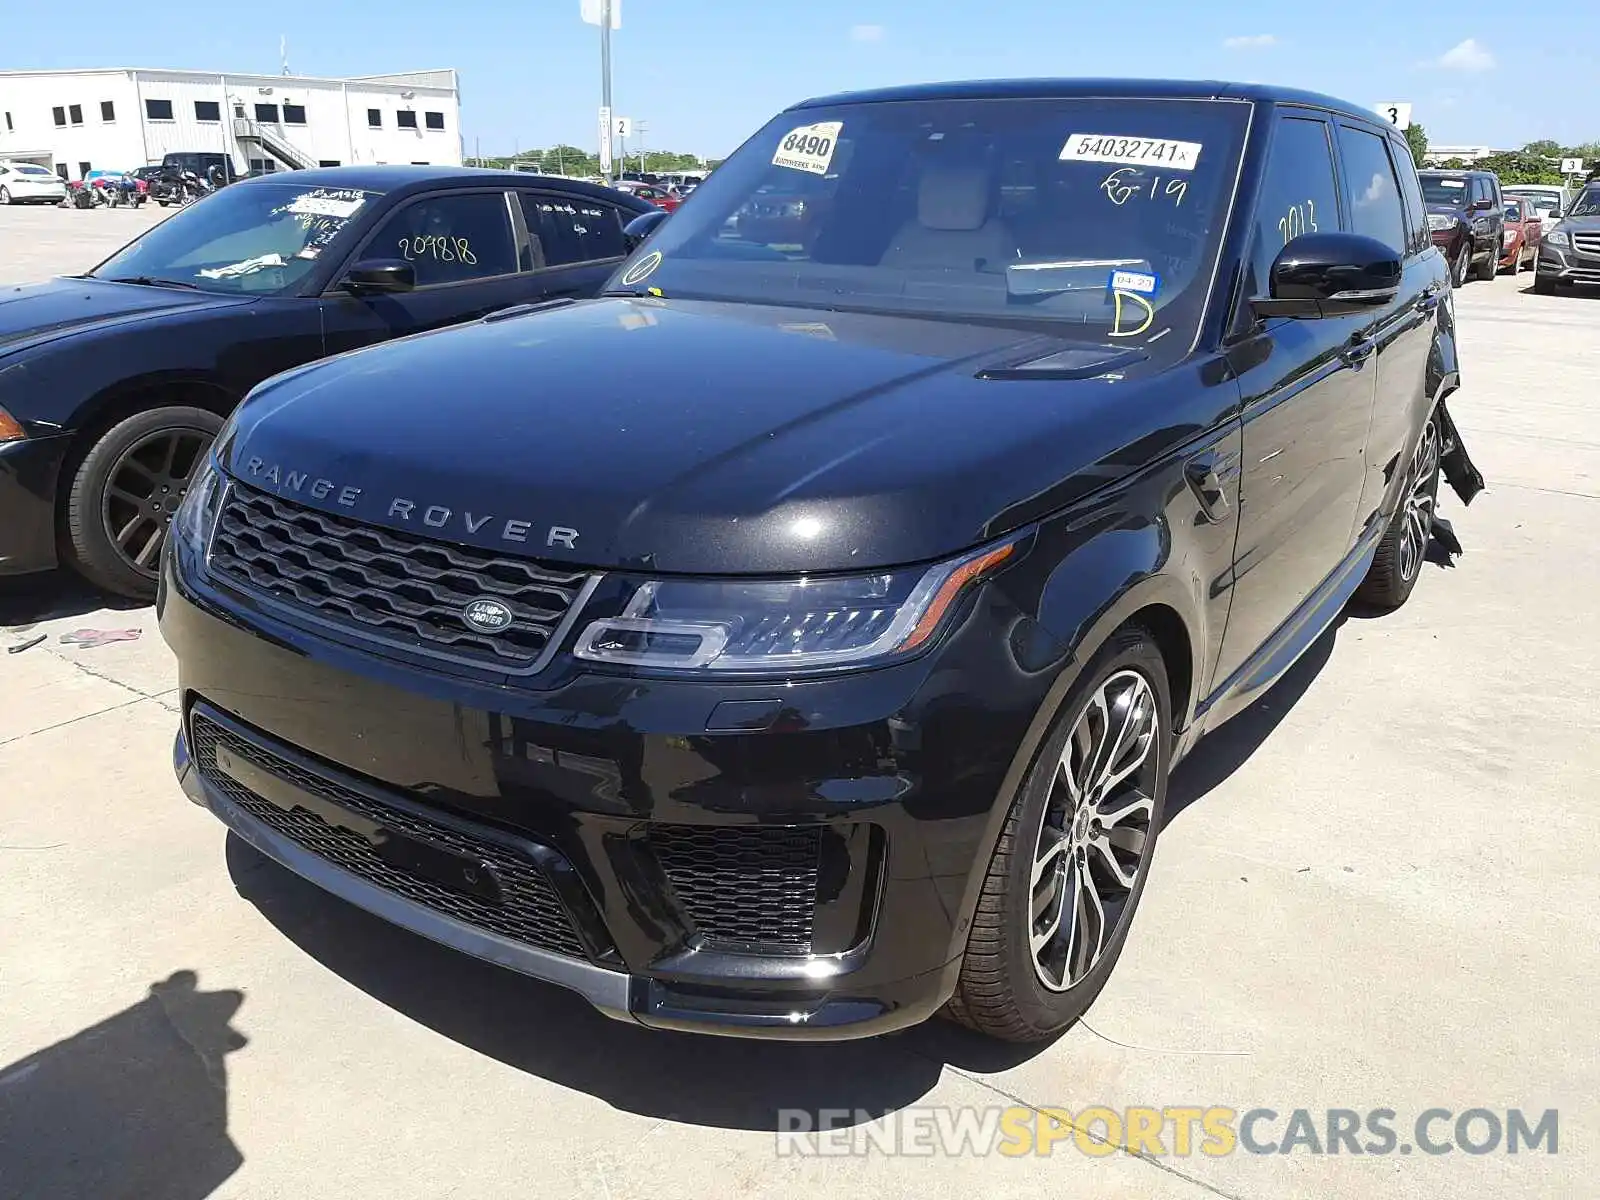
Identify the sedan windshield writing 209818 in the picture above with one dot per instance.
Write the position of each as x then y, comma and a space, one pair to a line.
256, 238
1098, 213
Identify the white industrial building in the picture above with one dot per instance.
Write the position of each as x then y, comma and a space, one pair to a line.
79, 121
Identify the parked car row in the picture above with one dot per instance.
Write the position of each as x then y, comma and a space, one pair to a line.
1483, 228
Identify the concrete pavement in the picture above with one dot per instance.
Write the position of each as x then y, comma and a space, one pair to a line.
1378, 890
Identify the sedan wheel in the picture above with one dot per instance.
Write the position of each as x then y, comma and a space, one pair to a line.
5, 196
126, 492
1091, 843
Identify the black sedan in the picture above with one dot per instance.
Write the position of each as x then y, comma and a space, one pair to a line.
113, 383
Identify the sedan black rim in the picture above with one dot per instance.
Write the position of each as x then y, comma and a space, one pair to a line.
1095, 835
144, 489
1419, 503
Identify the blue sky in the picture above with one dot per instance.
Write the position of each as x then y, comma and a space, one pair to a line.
705, 73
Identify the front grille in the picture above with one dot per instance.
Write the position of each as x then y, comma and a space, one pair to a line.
1586, 243
744, 887
386, 585
530, 912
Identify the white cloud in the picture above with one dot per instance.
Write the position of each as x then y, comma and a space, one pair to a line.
1251, 41
1465, 56
867, 33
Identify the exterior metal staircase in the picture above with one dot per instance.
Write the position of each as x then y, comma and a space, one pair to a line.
273, 142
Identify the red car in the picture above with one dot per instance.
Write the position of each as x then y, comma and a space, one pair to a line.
1519, 244
660, 197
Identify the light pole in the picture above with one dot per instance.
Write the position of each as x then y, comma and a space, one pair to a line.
640, 129
605, 88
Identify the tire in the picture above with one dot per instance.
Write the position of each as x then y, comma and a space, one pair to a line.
1398, 564
1516, 263
5, 196
1490, 267
1008, 988
1461, 269
1543, 285
118, 490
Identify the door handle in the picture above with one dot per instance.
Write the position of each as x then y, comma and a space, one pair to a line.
1202, 474
1359, 350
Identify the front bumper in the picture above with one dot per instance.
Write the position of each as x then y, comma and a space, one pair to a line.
670, 847
1568, 265
28, 472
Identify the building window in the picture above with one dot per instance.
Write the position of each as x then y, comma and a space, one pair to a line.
419, 164
108, 111
61, 170
294, 114
238, 111
406, 119
75, 111
60, 114
434, 120
8, 123
374, 118
263, 166
328, 162
158, 110
84, 169
207, 110
267, 113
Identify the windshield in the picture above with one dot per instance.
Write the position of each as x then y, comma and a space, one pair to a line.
1587, 204
1104, 213
1437, 189
261, 239
25, 169
1541, 200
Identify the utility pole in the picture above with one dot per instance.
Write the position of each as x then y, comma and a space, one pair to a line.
641, 128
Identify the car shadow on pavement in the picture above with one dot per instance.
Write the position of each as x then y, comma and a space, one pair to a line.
28, 600
136, 1105
549, 1032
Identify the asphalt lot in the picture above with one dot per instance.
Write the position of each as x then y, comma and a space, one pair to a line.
1379, 890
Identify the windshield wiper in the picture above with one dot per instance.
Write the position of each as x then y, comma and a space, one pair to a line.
152, 281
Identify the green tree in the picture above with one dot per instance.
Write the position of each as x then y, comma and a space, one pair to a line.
1519, 167
1544, 148
1417, 139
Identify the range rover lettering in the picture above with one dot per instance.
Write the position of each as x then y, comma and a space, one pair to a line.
955, 515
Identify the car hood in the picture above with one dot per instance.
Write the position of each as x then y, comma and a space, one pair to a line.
34, 313
687, 436
1447, 210
1586, 224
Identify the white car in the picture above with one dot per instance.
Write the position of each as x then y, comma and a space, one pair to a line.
1549, 200
25, 183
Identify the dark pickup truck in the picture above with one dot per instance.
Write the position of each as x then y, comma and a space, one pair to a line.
835, 678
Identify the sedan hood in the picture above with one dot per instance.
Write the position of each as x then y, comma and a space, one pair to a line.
34, 313
688, 436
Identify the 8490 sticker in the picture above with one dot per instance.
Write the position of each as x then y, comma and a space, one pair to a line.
1112, 148
809, 148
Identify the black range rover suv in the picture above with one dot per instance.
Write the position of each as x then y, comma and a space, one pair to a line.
835, 677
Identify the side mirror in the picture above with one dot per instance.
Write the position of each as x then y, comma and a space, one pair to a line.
380, 275
641, 227
1330, 275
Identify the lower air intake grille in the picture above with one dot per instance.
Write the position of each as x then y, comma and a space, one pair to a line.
530, 912
744, 887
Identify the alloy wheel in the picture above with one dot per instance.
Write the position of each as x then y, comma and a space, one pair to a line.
1095, 833
144, 489
1420, 502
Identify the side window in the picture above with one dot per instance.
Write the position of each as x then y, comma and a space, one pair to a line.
1298, 194
1411, 189
448, 239
571, 229
1373, 191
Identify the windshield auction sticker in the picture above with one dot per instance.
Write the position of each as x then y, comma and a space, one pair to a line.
809, 148
1110, 148
314, 205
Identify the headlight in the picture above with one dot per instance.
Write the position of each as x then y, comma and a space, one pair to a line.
1557, 238
197, 513
783, 625
1438, 221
